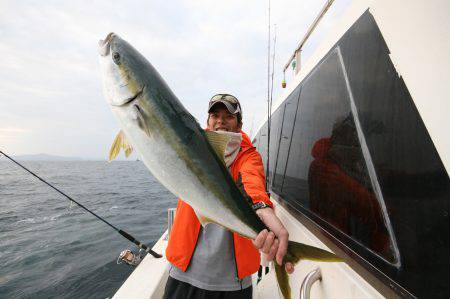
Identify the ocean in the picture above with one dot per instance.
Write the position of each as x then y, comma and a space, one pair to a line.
50, 248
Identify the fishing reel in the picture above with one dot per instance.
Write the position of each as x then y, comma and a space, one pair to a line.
130, 257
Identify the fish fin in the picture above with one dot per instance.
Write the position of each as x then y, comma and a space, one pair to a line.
219, 142
141, 121
120, 142
116, 145
283, 280
126, 145
202, 218
295, 253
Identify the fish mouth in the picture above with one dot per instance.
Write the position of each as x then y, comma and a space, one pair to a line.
130, 99
104, 46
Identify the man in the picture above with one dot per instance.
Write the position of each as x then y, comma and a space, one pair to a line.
210, 261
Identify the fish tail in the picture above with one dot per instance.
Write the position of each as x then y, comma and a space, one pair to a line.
295, 253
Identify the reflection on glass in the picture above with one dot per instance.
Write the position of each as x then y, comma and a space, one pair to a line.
285, 139
275, 131
326, 172
325, 175
340, 191
410, 173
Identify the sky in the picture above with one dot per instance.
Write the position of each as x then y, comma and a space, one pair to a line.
51, 97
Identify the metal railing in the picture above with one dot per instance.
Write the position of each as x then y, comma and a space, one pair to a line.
170, 218
311, 28
310, 279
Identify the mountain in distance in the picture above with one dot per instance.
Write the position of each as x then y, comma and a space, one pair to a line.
45, 157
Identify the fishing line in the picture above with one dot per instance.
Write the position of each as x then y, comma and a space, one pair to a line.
123, 233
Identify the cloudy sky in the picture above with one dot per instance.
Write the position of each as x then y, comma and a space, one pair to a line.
50, 89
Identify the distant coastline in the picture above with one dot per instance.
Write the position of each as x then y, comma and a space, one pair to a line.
47, 157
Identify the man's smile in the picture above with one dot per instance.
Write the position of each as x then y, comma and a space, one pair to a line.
221, 129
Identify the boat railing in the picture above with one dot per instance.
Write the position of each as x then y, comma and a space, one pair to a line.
170, 218
296, 56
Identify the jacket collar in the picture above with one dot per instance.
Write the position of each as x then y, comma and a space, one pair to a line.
246, 143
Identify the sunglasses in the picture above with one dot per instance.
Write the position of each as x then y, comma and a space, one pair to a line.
224, 97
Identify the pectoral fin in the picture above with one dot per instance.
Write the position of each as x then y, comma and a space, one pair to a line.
120, 142
219, 142
140, 118
127, 148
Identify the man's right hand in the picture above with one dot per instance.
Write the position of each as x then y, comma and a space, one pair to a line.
273, 243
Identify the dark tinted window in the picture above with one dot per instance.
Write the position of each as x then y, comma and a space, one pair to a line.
413, 180
405, 167
285, 138
275, 130
326, 172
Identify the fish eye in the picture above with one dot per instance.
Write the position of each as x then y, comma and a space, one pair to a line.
116, 57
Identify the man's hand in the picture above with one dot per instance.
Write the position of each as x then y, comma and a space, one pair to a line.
275, 242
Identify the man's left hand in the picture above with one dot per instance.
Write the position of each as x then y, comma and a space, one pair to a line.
273, 243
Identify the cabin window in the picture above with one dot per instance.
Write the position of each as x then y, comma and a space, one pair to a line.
285, 139
326, 171
275, 130
410, 173
348, 172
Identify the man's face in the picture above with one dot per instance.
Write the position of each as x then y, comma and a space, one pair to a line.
220, 119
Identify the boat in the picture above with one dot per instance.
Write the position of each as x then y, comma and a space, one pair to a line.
358, 159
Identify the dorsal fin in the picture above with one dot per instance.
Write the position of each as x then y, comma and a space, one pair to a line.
120, 142
219, 143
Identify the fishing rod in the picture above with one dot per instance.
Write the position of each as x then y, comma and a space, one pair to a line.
122, 232
268, 103
270, 94
273, 68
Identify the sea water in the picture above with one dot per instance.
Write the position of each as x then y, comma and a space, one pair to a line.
50, 248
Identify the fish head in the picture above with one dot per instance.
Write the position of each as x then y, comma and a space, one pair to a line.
119, 62
137, 94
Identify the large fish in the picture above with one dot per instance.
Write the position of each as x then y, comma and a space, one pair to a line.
177, 151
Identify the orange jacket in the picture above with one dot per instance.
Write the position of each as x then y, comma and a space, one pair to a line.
186, 227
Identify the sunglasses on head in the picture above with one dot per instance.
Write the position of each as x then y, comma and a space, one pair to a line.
224, 97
